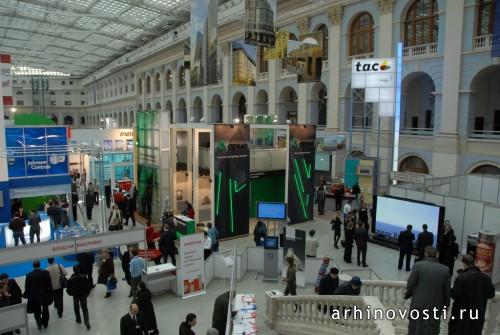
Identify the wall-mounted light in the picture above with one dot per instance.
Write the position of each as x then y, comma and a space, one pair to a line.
236, 120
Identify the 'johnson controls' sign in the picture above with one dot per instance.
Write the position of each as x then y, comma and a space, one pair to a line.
378, 78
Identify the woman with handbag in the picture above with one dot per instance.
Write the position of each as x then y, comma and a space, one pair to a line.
107, 273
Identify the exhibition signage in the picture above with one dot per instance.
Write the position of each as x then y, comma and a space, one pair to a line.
294, 245
110, 239
378, 78
191, 274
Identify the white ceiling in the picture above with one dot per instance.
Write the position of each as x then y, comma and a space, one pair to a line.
77, 37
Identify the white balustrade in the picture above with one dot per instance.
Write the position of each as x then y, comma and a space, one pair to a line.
262, 75
420, 50
360, 56
483, 42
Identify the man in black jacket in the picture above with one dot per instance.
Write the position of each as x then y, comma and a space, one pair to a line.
327, 285
470, 292
86, 264
362, 237
352, 287
219, 316
132, 323
79, 288
38, 291
107, 193
405, 242
14, 290
167, 244
89, 201
425, 239
130, 210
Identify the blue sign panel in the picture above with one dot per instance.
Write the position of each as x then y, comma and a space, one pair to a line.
15, 142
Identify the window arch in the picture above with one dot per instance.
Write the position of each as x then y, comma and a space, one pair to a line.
361, 35
19, 93
414, 164
485, 17
139, 86
324, 30
421, 23
157, 82
67, 93
148, 85
168, 80
182, 77
486, 169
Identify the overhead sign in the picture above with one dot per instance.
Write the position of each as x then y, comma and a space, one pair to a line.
378, 78
41, 250
99, 241
192, 269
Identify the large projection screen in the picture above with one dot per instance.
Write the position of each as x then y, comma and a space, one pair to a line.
393, 215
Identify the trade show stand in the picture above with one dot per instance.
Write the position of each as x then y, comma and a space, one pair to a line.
184, 225
46, 232
160, 278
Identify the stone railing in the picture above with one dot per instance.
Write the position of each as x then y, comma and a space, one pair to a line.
483, 42
360, 56
305, 315
262, 75
420, 50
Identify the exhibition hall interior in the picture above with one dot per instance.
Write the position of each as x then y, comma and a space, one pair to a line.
241, 167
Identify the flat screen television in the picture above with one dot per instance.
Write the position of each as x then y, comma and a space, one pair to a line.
393, 214
271, 210
271, 242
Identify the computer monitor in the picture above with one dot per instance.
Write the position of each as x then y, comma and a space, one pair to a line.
271, 210
271, 242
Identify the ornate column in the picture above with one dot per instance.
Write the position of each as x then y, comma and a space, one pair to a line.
332, 112
385, 47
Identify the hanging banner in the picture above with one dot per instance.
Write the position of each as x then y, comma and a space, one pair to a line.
294, 245
191, 274
280, 48
306, 57
244, 63
232, 175
6, 79
301, 165
260, 22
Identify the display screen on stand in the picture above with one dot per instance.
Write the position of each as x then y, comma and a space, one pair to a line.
271, 210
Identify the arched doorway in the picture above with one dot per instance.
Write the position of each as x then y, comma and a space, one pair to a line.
82, 121
181, 111
170, 111
197, 110
216, 115
485, 103
68, 120
262, 103
239, 107
158, 106
418, 102
357, 153
318, 106
148, 106
488, 169
413, 164
287, 112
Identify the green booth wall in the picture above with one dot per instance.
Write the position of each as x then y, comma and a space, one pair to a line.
269, 188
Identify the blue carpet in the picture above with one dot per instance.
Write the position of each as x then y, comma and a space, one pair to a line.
21, 269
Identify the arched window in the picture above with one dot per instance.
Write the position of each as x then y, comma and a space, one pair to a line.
413, 164
139, 86
361, 35
157, 83
324, 29
148, 85
422, 23
19, 93
168, 80
485, 17
182, 77
67, 93
486, 169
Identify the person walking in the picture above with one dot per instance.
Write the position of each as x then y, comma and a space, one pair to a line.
89, 203
429, 288
57, 274
106, 272
130, 210
96, 193
362, 237
312, 244
320, 196
339, 194
143, 300
133, 323
17, 226
186, 326
405, 243
86, 264
356, 191
451, 253
444, 241
213, 233
329, 282
363, 215
167, 244
347, 209
349, 240
74, 205
107, 193
38, 291
79, 288
291, 282
336, 227
259, 233
114, 214
126, 257
152, 235
470, 292
137, 265
424, 240
34, 223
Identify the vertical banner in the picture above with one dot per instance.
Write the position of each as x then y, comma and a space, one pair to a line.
232, 176
191, 274
306, 57
260, 22
6, 79
302, 148
495, 48
244, 63
203, 43
294, 245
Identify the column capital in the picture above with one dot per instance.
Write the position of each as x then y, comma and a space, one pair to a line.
385, 6
335, 14
303, 25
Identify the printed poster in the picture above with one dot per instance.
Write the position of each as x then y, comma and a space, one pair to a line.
191, 274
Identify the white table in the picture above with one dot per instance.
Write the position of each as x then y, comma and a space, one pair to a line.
160, 278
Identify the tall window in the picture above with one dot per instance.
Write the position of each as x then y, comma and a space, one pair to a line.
148, 84
324, 30
422, 23
485, 17
168, 79
139, 86
157, 82
361, 35
182, 77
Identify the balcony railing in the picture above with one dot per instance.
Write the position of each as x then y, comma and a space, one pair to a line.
360, 56
262, 75
493, 134
420, 50
286, 73
483, 42
417, 131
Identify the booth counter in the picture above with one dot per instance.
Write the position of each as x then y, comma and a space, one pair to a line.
160, 278
184, 225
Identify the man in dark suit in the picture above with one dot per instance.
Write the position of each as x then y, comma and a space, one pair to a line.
361, 235
167, 244
327, 285
132, 323
86, 264
38, 291
405, 242
219, 316
425, 239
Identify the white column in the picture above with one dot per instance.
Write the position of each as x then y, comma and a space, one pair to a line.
385, 47
226, 82
189, 112
162, 88
271, 96
250, 100
334, 32
174, 93
206, 105
302, 109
